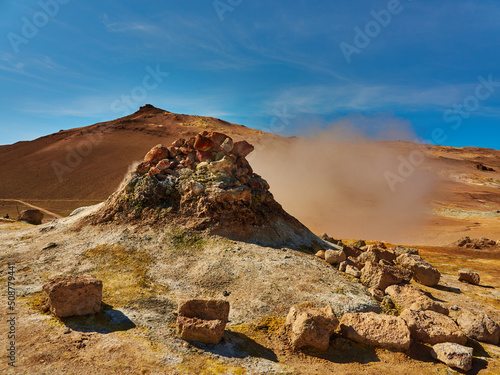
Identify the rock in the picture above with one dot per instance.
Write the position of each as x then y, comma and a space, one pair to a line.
178, 143
335, 256
74, 295
399, 250
202, 320
227, 145
50, 245
196, 187
384, 254
343, 266
469, 276
423, 272
204, 156
380, 276
479, 326
353, 271
144, 167
218, 138
165, 164
351, 251
432, 327
454, 355
407, 296
242, 148
156, 154
153, 171
32, 216
309, 326
202, 143
367, 256
377, 294
372, 329
321, 254
359, 244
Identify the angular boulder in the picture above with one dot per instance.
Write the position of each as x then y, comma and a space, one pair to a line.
407, 296
454, 355
157, 153
335, 256
423, 272
202, 320
242, 148
382, 275
470, 277
479, 327
34, 216
432, 327
74, 295
311, 327
383, 331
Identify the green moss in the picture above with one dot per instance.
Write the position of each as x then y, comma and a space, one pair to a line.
124, 274
184, 240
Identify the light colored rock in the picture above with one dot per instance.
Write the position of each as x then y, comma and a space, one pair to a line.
398, 250
335, 256
321, 254
423, 272
407, 296
380, 276
469, 276
432, 327
310, 326
377, 294
353, 271
479, 327
74, 295
381, 331
202, 320
343, 266
454, 355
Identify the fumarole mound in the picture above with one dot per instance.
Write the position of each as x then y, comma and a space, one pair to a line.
205, 183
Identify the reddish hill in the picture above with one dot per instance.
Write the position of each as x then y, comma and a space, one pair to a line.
330, 186
88, 163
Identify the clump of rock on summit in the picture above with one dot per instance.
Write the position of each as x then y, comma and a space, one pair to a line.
205, 183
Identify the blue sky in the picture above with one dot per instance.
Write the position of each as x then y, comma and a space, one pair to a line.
424, 67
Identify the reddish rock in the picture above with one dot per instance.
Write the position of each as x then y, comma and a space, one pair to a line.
351, 251
33, 216
165, 164
217, 138
202, 320
74, 295
242, 148
479, 326
173, 151
470, 277
156, 154
153, 171
432, 327
423, 272
311, 327
372, 329
454, 355
204, 155
202, 143
144, 167
179, 142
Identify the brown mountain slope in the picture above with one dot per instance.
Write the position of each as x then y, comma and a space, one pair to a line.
329, 184
89, 162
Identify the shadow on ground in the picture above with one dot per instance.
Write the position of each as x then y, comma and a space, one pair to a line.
237, 345
105, 321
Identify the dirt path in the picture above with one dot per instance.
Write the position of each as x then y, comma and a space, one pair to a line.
33, 206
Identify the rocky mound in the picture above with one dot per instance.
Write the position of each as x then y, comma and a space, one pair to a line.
477, 243
205, 183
